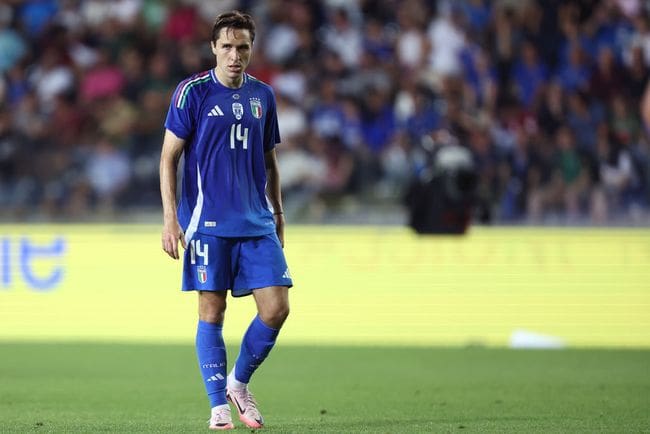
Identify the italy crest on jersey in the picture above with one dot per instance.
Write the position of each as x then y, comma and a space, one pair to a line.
256, 107
202, 273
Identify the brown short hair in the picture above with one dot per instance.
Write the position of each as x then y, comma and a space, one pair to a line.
233, 20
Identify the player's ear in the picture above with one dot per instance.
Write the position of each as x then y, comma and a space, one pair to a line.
213, 45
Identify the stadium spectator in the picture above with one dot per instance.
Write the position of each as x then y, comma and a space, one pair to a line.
107, 171
638, 75
608, 78
412, 44
343, 37
575, 75
51, 76
12, 46
583, 119
529, 74
103, 80
617, 174
447, 39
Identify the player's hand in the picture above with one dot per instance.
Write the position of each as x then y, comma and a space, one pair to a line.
279, 227
172, 233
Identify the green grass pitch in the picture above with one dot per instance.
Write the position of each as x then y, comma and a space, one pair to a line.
88, 387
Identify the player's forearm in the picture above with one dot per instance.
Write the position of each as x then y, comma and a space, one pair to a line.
273, 189
168, 188
168, 168
171, 153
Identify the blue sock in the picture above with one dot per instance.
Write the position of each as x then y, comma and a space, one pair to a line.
211, 352
257, 343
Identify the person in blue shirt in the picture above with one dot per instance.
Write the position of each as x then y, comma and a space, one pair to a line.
229, 216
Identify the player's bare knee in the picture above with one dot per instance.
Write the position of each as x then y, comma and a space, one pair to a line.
212, 307
282, 313
212, 313
212, 317
275, 315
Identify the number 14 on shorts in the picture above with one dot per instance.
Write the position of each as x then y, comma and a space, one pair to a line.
200, 250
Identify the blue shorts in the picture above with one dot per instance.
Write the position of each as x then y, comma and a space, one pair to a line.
238, 264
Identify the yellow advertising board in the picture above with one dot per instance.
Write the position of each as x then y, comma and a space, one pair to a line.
353, 285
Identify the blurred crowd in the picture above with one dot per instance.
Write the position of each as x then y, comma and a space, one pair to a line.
545, 95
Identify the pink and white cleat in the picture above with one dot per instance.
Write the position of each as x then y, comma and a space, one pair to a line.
246, 406
220, 418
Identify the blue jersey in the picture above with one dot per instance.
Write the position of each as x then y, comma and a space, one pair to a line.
227, 132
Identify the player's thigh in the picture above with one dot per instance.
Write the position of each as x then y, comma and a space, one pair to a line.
207, 264
261, 264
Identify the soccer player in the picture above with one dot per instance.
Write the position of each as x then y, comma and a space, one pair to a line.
229, 218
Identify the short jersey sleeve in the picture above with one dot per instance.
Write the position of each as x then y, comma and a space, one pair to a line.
179, 116
271, 129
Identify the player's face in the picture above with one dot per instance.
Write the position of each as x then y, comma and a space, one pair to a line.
233, 52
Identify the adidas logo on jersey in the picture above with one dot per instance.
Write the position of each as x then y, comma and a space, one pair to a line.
216, 111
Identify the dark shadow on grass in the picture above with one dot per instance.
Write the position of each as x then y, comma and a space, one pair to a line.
412, 425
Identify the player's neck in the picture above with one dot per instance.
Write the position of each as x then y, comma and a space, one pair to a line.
230, 82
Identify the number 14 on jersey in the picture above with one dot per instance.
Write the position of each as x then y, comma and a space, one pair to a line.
237, 135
